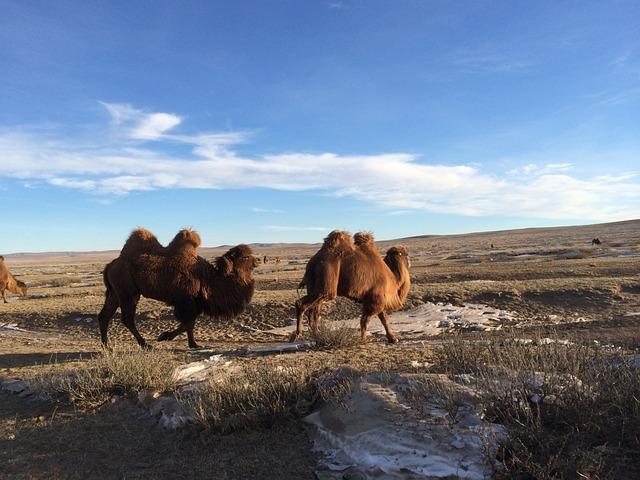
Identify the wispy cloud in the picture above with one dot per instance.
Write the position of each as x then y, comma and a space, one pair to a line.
266, 210
490, 63
138, 124
136, 161
534, 169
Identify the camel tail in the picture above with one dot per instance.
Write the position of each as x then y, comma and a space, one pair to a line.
105, 279
301, 285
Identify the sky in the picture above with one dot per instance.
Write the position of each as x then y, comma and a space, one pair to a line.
278, 120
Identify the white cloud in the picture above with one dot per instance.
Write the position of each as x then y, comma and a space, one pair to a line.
266, 210
558, 167
138, 124
394, 181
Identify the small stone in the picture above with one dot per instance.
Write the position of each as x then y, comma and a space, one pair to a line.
14, 386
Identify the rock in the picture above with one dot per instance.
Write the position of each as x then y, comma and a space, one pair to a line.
14, 386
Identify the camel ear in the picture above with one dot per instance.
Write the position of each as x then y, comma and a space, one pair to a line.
225, 265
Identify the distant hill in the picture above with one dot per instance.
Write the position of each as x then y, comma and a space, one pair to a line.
627, 232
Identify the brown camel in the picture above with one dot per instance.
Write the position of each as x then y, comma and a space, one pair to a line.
9, 282
352, 268
177, 276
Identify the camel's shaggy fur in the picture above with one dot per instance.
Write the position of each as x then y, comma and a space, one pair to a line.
352, 268
177, 276
9, 282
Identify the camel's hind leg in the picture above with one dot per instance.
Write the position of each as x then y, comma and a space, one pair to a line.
309, 301
364, 324
171, 334
128, 310
186, 314
106, 314
5, 300
391, 338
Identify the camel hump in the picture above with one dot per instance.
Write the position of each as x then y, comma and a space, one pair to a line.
364, 240
141, 241
338, 239
184, 239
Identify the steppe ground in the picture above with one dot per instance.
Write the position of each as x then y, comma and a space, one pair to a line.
554, 280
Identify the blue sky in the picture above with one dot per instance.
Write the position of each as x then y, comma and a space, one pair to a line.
257, 121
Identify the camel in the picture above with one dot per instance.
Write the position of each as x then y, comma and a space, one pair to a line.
9, 282
352, 268
177, 276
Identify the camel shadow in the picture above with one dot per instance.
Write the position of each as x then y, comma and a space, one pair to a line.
16, 360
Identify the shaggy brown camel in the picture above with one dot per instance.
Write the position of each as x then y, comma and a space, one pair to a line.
352, 268
9, 282
177, 276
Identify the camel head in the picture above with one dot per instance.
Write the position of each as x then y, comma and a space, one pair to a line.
397, 259
238, 261
398, 256
21, 288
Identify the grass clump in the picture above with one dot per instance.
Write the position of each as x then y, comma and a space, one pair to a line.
329, 336
110, 372
252, 396
572, 411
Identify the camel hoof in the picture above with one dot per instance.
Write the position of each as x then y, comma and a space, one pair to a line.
392, 339
294, 338
146, 347
194, 346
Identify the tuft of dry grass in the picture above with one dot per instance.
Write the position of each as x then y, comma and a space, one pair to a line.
572, 411
252, 396
110, 372
329, 336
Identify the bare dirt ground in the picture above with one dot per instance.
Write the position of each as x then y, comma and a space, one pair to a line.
553, 280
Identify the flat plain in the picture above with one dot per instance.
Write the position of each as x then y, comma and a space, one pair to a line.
553, 282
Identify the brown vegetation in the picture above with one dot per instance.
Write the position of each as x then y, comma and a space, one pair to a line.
572, 410
352, 268
9, 282
177, 276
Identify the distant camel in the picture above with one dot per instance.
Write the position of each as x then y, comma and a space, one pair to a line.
177, 276
352, 268
9, 282
596, 241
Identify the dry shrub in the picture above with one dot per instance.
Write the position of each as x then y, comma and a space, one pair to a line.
572, 411
329, 336
253, 396
110, 372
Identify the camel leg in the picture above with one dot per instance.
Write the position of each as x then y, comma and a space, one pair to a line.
364, 323
302, 305
106, 314
186, 315
391, 338
314, 317
171, 334
128, 310
5, 300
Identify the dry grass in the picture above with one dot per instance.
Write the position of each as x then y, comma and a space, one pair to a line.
253, 396
110, 372
572, 411
329, 336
